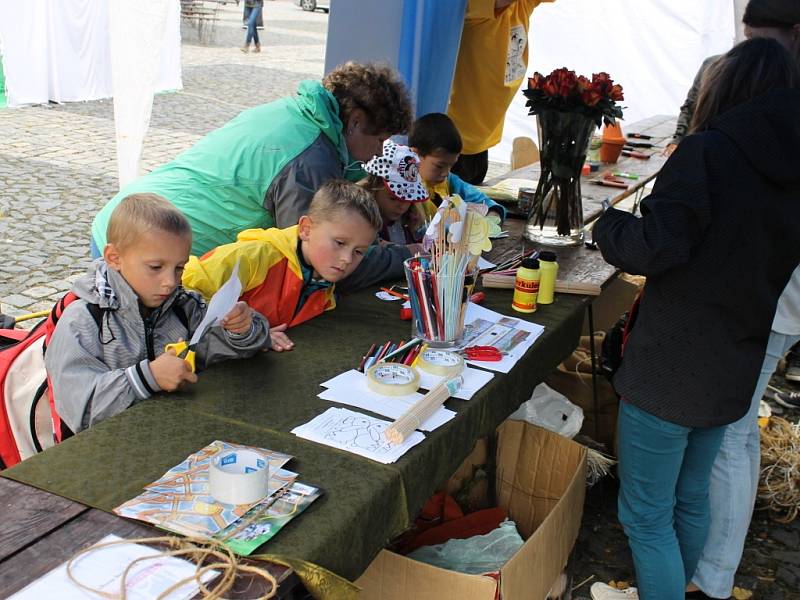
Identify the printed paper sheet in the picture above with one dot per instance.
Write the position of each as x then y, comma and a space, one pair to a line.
357, 433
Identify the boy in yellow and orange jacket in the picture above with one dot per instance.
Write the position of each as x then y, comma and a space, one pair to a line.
288, 275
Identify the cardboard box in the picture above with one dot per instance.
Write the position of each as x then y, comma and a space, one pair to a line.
541, 482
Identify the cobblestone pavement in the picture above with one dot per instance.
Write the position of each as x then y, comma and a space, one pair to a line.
58, 167
58, 162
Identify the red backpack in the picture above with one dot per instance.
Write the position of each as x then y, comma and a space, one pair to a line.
25, 427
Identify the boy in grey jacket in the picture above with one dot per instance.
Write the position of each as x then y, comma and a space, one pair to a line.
107, 351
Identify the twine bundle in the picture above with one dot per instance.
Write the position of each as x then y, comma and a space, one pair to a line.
779, 483
598, 465
208, 555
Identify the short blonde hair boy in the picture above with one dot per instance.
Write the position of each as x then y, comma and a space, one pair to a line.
337, 196
143, 212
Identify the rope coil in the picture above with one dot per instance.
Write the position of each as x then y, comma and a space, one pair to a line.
779, 482
207, 555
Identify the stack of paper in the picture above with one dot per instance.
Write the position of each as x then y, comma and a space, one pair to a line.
180, 501
486, 327
351, 388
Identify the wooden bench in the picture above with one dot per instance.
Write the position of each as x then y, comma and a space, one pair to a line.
202, 15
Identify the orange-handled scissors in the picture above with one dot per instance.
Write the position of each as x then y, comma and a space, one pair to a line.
180, 348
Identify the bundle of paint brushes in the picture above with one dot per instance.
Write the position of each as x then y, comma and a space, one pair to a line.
439, 284
402, 352
504, 276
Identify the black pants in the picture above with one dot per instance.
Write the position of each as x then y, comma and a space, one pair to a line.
472, 167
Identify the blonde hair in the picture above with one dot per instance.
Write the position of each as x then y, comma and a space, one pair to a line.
337, 196
371, 183
143, 212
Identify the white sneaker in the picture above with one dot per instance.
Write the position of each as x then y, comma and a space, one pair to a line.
601, 591
792, 366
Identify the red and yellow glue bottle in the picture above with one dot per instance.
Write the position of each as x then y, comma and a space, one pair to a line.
526, 286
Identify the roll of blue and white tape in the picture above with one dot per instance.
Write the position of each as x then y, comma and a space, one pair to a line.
238, 477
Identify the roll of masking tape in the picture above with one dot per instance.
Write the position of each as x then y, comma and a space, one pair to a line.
441, 362
238, 477
392, 379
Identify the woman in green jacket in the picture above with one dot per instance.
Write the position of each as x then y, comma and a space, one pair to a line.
261, 169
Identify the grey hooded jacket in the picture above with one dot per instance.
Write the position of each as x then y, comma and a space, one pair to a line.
99, 372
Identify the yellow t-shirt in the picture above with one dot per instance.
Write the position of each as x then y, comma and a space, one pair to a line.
491, 65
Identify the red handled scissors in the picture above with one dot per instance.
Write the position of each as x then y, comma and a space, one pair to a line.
483, 353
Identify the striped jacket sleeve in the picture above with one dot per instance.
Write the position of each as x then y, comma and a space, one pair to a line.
86, 390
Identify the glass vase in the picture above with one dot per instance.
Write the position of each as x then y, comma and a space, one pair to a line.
556, 214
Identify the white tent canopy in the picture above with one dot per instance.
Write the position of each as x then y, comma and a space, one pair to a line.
58, 50
72, 50
652, 48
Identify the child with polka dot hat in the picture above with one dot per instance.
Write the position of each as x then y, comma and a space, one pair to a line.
399, 192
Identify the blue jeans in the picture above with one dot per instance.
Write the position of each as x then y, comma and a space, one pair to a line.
734, 482
663, 505
252, 19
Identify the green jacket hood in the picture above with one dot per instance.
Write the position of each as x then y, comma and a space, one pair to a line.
320, 106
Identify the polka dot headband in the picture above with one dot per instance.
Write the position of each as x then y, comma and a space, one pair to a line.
399, 169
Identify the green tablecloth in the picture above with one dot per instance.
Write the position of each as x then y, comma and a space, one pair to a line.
258, 401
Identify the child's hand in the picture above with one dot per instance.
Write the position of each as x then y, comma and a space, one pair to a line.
239, 320
280, 341
171, 372
415, 249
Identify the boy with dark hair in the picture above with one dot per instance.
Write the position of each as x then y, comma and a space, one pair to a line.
107, 351
435, 138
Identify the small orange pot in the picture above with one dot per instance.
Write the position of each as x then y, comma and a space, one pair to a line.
613, 132
613, 141
610, 150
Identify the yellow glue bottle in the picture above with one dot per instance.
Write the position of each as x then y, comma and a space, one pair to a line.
526, 286
547, 281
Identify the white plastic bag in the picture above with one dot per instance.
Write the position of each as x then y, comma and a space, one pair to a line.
475, 555
551, 410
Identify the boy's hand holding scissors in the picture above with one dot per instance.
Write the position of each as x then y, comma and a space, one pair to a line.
171, 371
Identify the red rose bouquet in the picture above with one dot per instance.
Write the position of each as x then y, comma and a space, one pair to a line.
568, 108
564, 91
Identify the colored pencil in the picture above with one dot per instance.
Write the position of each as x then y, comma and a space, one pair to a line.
384, 350
401, 348
395, 294
365, 357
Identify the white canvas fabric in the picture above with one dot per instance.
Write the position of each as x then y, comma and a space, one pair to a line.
136, 43
653, 49
58, 50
